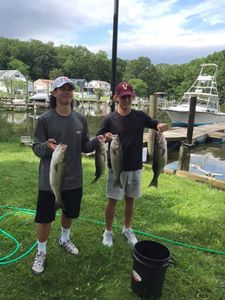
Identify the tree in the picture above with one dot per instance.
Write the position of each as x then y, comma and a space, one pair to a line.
142, 68
99, 93
16, 64
54, 73
102, 66
140, 87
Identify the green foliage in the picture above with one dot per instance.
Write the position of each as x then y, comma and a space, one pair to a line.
16, 64
143, 69
177, 79
179, 210
99, 92
140, 87
40, 60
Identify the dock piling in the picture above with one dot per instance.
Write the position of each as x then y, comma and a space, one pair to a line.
185, 148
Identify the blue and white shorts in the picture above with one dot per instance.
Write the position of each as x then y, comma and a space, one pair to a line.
131, 182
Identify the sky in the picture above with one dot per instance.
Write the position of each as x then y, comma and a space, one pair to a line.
170, 31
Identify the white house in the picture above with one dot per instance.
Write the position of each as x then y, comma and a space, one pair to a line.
98, 84
43, 86
10, 75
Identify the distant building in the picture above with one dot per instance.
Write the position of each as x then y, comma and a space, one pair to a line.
43, 86
80, 82
10, 75
98, 84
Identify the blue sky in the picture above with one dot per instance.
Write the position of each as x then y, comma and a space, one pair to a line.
165, 31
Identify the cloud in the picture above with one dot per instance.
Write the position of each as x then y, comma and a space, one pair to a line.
144, 25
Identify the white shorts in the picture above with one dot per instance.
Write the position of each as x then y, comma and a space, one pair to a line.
131, 182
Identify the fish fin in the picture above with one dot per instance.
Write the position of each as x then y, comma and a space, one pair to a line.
56, 167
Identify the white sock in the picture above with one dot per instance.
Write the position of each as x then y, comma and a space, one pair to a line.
65, 235
108, 231
42, 246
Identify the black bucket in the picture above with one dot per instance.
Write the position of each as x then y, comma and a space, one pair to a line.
151, 260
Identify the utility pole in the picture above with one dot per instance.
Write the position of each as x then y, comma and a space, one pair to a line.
114, 52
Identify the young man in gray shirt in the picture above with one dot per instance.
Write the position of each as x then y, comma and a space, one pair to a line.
59, 125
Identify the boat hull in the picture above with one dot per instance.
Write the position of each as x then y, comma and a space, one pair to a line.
180, 118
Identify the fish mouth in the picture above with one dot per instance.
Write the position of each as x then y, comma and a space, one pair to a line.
63, 146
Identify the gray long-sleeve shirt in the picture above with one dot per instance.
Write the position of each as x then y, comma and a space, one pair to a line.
70, 130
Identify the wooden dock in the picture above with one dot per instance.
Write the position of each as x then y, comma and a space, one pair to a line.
23, 106
201, 134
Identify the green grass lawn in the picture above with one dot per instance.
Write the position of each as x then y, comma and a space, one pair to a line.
179, 210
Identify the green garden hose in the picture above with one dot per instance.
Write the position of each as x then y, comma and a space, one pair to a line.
8, 258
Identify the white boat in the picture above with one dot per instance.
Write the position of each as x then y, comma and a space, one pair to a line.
40, 97
207, 109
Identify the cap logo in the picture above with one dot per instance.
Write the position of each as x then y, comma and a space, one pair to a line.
125, 85
63, 79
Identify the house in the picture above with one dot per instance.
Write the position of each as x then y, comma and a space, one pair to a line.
98, 84
10, 75
80, 82
43, 86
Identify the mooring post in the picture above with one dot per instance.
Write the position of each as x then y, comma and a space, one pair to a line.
27, 93
185, 148
151, 132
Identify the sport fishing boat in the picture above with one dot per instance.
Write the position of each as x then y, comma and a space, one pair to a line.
207, 109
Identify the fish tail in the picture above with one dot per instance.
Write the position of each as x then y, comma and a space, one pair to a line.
59, 204
95, 180
117, 183
154, 183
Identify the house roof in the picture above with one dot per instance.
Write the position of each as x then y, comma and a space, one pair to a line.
99, 81
46, 81
8, 73
79, 81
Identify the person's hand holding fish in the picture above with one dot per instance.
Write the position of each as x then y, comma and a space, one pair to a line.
100, 138
52, 144
108, 137
162, 127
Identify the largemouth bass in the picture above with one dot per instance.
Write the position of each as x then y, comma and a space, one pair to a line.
159, 157
57, 173
100, 160
116, 158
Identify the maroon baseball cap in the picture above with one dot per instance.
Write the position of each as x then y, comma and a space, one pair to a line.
124, 89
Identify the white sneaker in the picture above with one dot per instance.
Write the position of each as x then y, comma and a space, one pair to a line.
39, 263
107, 238
130, 236
69, 247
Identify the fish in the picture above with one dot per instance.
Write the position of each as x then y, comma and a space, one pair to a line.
57, 173
159, 157
116, 158
100, 160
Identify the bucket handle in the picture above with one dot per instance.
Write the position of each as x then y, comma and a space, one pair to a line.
172, 261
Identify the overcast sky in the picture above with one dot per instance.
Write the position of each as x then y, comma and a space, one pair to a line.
165, 31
